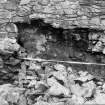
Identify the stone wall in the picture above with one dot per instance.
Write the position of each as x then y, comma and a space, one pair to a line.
66, 14
60, 13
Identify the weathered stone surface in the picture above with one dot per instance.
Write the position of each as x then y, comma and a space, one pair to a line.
10, 27
8, 46
70, 13
22, 2
11, 6
23, 11
5, 15
17, 19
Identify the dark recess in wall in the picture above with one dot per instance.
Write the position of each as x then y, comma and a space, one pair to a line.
76, 39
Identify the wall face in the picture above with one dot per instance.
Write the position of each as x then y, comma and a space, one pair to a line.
44, 65
60, 13
66, 14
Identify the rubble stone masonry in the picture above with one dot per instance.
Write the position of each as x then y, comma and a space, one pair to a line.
59, 13
66, 14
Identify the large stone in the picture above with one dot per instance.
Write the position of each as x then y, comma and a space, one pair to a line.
10, 27
22, 2
8, 46
17, 19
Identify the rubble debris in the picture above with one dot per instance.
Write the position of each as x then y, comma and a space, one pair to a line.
59, 67
44, 90
77, 94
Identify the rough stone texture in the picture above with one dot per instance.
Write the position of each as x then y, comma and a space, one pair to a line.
33, 77
66, 14
59, 13
8, 42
